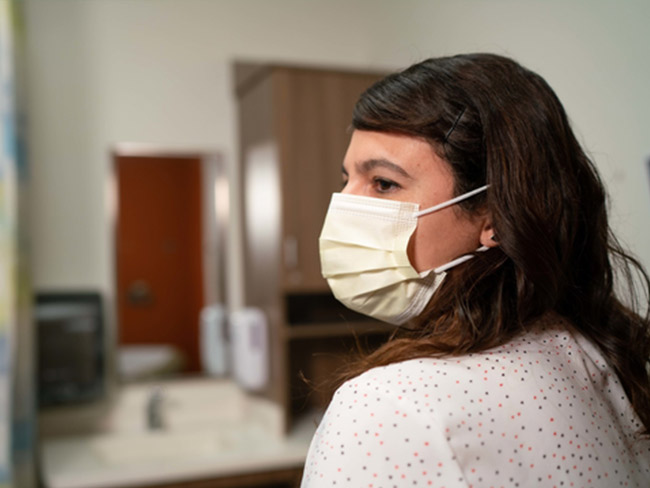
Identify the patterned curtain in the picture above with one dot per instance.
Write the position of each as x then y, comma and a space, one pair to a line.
17, 405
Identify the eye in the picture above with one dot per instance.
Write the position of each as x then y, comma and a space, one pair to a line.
345, 177
383, 185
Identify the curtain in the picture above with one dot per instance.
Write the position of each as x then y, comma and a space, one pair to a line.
17, 405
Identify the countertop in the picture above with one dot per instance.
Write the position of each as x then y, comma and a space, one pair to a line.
242, 436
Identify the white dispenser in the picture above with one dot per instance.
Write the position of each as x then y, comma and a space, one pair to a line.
249, 348
214, 353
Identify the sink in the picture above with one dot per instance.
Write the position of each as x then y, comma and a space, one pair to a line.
174, 446
116, 450
202, 419
209, 426
187, 404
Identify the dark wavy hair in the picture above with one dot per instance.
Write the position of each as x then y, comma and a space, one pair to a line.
494, 121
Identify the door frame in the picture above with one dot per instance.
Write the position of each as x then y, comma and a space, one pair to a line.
216, 201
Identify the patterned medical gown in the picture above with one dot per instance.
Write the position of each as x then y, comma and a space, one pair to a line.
544, 410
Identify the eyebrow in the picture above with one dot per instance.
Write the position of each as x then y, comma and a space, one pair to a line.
370, 164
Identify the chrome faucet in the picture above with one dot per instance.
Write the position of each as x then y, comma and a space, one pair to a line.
155, 410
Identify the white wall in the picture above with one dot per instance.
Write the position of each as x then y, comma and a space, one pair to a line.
158, 71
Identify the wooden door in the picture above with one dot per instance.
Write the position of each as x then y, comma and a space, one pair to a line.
159, 252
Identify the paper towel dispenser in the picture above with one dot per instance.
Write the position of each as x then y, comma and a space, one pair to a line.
70, 347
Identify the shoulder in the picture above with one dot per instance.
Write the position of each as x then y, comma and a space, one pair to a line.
389, 392
404, 381
502, 412
433, 389
380, 427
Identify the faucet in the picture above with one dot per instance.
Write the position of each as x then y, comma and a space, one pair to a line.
155, 410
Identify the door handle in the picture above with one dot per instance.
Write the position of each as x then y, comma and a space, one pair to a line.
139, 293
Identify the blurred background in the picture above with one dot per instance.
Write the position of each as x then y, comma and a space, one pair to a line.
160, 152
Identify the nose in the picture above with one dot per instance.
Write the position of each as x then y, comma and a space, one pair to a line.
352, 187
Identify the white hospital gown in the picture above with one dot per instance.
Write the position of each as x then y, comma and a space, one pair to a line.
543, 410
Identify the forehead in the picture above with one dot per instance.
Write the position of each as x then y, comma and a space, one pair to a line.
413, 155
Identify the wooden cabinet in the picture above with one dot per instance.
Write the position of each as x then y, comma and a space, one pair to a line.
316, 108
294, 131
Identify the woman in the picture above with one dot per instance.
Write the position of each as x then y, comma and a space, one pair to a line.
471, 217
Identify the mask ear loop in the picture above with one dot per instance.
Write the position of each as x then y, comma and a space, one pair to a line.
451, 202
459, 260
446, 204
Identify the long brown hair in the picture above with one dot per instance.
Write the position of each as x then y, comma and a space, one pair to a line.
496, 122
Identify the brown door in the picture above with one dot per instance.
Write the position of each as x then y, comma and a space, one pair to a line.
159, 252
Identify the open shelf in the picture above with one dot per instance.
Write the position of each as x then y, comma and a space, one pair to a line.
336, 329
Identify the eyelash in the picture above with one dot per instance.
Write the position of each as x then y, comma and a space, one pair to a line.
383, 185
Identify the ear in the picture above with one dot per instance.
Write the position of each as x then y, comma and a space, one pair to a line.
488, 237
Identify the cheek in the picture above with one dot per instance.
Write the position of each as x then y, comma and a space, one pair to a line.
425, 247
424, 250
440, 238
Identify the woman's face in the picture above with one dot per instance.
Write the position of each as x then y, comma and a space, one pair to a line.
407, 169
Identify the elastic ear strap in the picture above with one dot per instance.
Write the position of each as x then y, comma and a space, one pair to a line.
459, 260
453, 126
451, 202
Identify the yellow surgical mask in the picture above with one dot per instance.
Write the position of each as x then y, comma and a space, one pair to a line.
364, 260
